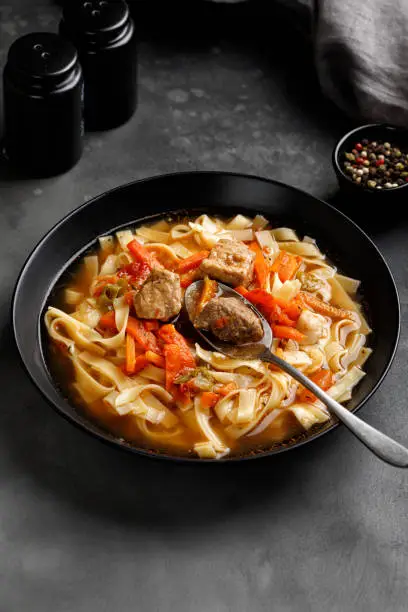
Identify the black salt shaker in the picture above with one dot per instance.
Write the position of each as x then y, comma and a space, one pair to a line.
43, 105
104, 34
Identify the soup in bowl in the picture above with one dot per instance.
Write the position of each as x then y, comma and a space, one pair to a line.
124, 352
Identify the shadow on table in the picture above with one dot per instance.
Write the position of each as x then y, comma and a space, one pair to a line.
374, 221
124, 489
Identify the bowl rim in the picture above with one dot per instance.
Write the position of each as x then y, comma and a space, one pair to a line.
339, 169
125, 446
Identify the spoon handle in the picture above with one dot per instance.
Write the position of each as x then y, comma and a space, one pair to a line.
381, 445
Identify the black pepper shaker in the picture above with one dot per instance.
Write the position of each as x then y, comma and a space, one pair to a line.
104, 34
43, 105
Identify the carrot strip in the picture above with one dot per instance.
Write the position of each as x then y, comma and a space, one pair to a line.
188, 278
323, 378
241, 290
209, 290
155, 359
151, 325
135, 328
175, 362
275, 310
225, 389
130, 362
261, 268
141, 255
192, 262
209, 399
322, 308
284, 331
292, 309
107, 320
169, 335
181, 395
140, 363
286, 265
146, 339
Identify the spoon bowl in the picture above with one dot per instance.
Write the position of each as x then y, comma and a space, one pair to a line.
250, 350
381, 445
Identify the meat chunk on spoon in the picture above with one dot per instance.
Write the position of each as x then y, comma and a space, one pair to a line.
160, 296
230, 320
230, 262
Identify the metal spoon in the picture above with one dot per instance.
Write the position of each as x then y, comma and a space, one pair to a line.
381, 445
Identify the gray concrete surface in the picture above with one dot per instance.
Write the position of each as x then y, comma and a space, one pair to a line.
84, 528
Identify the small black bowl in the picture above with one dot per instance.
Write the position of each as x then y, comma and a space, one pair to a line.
366, 196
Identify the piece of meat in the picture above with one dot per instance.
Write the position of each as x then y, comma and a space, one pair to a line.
230, 320
230, 262
160, 296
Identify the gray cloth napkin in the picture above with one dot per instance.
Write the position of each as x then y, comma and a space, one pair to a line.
362, 56
361, 52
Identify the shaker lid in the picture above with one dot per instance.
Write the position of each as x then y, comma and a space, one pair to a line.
42, 55
96, 16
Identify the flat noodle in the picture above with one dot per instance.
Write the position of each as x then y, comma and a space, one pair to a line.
203, 420
346, 383
304, 249
259, 222
77, 333
180, 250
224, 408
87, 313
221, 362
268, 245
205, 450
164, 254
152, 235
161, 226
105, 368
106, 243
123, 259
244, 235
299, 359
246, 406
318, 359
350, 285
153, 373
286, 291
309, 414
239, 222
87, 386
121, 317
73, 297
91, 264
342, 299
276, 394
181, 232
124, 237
284, 234
363, 356
109, 266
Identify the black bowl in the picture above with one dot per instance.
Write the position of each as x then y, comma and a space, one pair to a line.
211, 192
369, 199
